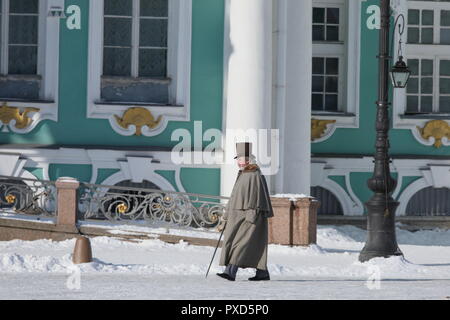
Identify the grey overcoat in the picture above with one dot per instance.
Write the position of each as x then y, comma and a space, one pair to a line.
246, 232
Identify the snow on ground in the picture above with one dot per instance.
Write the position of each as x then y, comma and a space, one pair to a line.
143, 226
152, 269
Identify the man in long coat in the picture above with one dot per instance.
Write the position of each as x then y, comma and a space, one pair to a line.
245, 220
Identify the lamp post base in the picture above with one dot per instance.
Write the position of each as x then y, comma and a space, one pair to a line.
381, 239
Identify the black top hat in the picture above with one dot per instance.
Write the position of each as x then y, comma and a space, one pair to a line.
243, 149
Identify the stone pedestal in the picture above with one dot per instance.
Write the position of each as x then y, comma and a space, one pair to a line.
67, 202
280, 225
305, 221
294, 221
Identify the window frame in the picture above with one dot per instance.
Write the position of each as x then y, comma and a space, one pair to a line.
135, 39
178, 70
47, 70
341, 82
435, 52
348, 52
5, 44
420, 76
342, 20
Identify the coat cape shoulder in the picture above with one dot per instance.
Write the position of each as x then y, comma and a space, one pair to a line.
250, 191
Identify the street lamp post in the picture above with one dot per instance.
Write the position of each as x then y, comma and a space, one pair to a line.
381, 239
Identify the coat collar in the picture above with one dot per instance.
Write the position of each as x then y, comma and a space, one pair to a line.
250, 168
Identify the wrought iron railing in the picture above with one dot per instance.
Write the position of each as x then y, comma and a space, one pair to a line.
128, 204
27, 196
113, 203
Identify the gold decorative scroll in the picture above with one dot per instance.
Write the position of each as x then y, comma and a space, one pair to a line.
138, 117
13, 113
10, 199
319, 127
437, 129
122, 208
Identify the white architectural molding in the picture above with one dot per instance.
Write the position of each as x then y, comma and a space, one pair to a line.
408, 193
26, 175
179, 70
9, 164
435, 173
349, 205
178, 180
320, 173
150, 176
357, 206
437, 176
398, 187
133, 165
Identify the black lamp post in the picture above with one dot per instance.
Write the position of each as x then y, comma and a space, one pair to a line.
381, 238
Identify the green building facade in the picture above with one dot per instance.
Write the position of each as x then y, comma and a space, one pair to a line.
96, 90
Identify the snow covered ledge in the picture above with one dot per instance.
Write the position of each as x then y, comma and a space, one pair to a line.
295, 220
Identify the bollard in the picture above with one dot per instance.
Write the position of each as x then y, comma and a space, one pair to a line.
83, 251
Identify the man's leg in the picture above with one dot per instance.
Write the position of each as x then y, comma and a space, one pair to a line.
229, 273
231, 269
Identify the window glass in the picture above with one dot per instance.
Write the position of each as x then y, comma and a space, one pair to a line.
149, 52
326, 24
420, 87
23, 37
329, 55
325, 86
135, 56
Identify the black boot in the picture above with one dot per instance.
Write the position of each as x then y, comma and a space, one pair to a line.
261, 275
226, 276
229, 273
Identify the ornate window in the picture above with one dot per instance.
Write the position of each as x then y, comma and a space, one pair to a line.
19, 49
429, 89
335, 63
427, 49
139, 56
29, 53
328, 56
325, 83
135, 51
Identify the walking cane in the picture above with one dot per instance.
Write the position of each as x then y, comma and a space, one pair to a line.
218, 242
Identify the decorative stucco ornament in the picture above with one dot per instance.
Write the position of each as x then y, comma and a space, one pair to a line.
438, 129
319, 127
13, 113
138, 117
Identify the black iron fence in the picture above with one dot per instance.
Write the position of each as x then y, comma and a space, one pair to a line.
27, 196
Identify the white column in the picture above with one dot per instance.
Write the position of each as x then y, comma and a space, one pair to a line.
248, 75
293, 95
